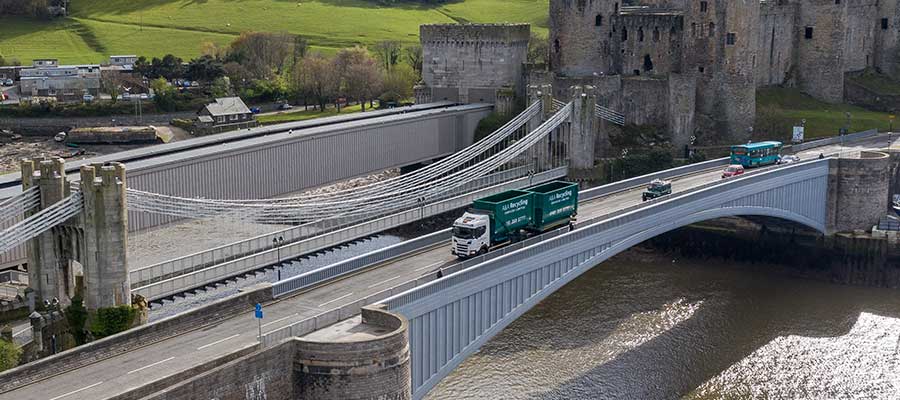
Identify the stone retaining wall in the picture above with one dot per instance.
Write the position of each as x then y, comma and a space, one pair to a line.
135, 338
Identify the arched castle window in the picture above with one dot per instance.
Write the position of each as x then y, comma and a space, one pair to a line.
616, 8
656, 34
598, 21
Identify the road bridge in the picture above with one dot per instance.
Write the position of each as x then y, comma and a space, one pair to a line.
167, 362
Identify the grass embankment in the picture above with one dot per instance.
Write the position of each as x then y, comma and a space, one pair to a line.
302, 115
779, 109
99, 28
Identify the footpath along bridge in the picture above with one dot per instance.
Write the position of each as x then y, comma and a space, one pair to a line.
448, 318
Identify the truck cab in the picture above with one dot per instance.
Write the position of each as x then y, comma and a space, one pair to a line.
657, 188
471, 235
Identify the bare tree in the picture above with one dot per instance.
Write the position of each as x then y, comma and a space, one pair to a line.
360, 78
111, 84
317, 77
262, 53
389, 52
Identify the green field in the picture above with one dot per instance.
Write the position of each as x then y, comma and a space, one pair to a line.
99, 28
779, 109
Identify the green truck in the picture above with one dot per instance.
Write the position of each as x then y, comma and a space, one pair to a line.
512, 216
657, 188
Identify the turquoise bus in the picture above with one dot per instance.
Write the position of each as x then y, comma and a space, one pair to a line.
756, 154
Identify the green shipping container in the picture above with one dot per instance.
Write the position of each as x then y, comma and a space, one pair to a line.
510, 211
554, 202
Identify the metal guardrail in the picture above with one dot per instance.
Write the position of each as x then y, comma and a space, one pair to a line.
141, 277
217, 272
644, 179
313, 278
834, 140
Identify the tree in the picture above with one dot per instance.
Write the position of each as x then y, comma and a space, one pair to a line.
9, 355
301, 47
398, 83
111, 84
221, 87
169, 67
389, 52
414, 57
263, 53
318, 78
538, 50
358, 74
164, 95
205, 69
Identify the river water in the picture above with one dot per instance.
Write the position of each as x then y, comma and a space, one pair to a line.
643, 327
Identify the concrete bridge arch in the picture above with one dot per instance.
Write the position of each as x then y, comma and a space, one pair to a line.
452, 318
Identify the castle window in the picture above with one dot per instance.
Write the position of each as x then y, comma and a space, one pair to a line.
648, 63
656, 34
730, 38
624, 34
616, 8
704, 6
640, 34
556, 46
701, 69
637, 72
712, 29
884, 24
598, 21
693, 29
837, 1
808, 32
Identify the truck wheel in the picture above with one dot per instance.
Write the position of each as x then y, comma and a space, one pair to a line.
483, 250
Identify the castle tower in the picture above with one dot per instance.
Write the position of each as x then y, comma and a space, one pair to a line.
720, 43
470, 63
820, 41
581, 36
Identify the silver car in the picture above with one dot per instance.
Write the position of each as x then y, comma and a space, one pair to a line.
788, 159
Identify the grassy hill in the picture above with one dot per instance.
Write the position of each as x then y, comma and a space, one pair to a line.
99, 28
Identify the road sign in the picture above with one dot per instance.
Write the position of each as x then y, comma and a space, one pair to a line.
259, 312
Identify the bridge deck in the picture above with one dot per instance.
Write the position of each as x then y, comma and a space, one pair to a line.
142, 366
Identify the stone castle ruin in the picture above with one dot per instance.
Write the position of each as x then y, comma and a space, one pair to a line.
687, 67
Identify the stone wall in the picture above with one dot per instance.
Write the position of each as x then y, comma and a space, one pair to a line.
376, 367
577, 41
777, 39
858, 189
51, 126
863, 23
260, 375
645, 101
474, 60
138, 337
650, 44
820, 58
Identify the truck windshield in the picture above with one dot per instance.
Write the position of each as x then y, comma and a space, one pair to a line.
468, 233
463, 233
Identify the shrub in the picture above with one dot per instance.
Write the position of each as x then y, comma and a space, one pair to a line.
9, 355
76, 316
112, 320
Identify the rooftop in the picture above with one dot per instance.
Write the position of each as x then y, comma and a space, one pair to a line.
227, 106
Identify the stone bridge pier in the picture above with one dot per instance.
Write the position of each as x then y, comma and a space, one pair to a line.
92, 244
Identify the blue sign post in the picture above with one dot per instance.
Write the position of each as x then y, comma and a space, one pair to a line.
259, 316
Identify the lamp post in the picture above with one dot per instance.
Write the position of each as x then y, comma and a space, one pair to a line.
891, 130
277, 243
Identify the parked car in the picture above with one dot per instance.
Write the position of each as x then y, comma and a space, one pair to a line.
88, 98
788, 159
285, 106
255, 110
733, 170
8, 82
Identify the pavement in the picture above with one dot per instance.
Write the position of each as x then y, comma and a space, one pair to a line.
117, 375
